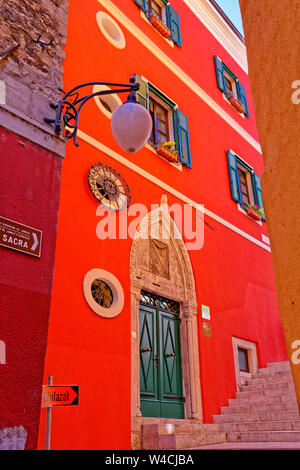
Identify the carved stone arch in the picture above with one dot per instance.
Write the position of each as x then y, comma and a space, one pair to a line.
159, 237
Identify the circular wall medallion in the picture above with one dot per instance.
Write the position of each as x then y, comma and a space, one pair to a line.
103, 293
108, 187
110, 29
106, 103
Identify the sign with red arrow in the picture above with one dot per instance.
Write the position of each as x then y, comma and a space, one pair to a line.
60, 395
20, 237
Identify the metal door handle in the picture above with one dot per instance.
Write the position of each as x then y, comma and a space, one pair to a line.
156, 360
170, 355
147, 350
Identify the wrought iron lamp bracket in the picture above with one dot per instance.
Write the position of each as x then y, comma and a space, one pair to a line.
69, 107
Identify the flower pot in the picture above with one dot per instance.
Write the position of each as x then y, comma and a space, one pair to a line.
254, 214
236, 104
167, 154
159, 26
153, 20
166, 32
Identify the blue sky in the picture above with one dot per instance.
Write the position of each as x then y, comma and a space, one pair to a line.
232, 9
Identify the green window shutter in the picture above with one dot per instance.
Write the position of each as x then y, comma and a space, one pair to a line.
257, 191
142, 95
242, 95
234, 177
142, 4
220, 74
182, 138
174, 25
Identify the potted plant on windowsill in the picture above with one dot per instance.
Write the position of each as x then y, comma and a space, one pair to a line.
167, 151
159, 25
236, 103
255, 211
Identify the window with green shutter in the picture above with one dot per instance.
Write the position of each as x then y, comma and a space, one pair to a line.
174, 25
163, 18
170, 130
230, 85
245, 186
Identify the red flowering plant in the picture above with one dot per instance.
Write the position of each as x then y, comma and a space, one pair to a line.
255, 209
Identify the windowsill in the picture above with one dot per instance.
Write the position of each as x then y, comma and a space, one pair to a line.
226, 99
240, 208
178, 166
244, 377
265, 239
169, 41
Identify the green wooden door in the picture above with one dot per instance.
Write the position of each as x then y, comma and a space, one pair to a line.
160, 358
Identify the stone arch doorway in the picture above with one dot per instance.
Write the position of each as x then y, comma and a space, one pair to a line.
160, 264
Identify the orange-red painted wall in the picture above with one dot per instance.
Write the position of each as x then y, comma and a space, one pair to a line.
233, 276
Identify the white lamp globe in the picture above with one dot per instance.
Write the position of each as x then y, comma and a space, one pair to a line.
131, 125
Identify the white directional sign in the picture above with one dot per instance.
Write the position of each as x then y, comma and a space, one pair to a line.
20, 237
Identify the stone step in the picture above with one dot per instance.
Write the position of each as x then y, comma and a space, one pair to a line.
264, 410
262, 399
188, 441
252, 446
253, 387
283, 365
187, 427
256, 416
271, 374
261, 426
271, 380
264, 393
264, 436
160, 421
249, 408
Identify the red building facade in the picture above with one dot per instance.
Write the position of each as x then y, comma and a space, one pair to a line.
31, 156
166, 325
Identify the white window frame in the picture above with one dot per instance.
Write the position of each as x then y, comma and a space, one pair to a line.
241, 376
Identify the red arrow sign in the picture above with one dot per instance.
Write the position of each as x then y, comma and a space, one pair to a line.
60, 395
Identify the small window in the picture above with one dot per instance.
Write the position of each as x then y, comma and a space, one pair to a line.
170, 128
243, 359
230, 85
111, 30
245, 186
103, 293
106, 103
232, 88
156, 8
160, 121
163, 18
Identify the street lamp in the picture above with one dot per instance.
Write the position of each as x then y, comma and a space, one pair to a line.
131, 123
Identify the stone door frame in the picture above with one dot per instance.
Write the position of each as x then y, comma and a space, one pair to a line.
143, 279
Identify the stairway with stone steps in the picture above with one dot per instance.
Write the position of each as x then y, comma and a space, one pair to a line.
264, 413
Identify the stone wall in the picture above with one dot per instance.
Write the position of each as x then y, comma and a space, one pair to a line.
32, 70
13, 438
